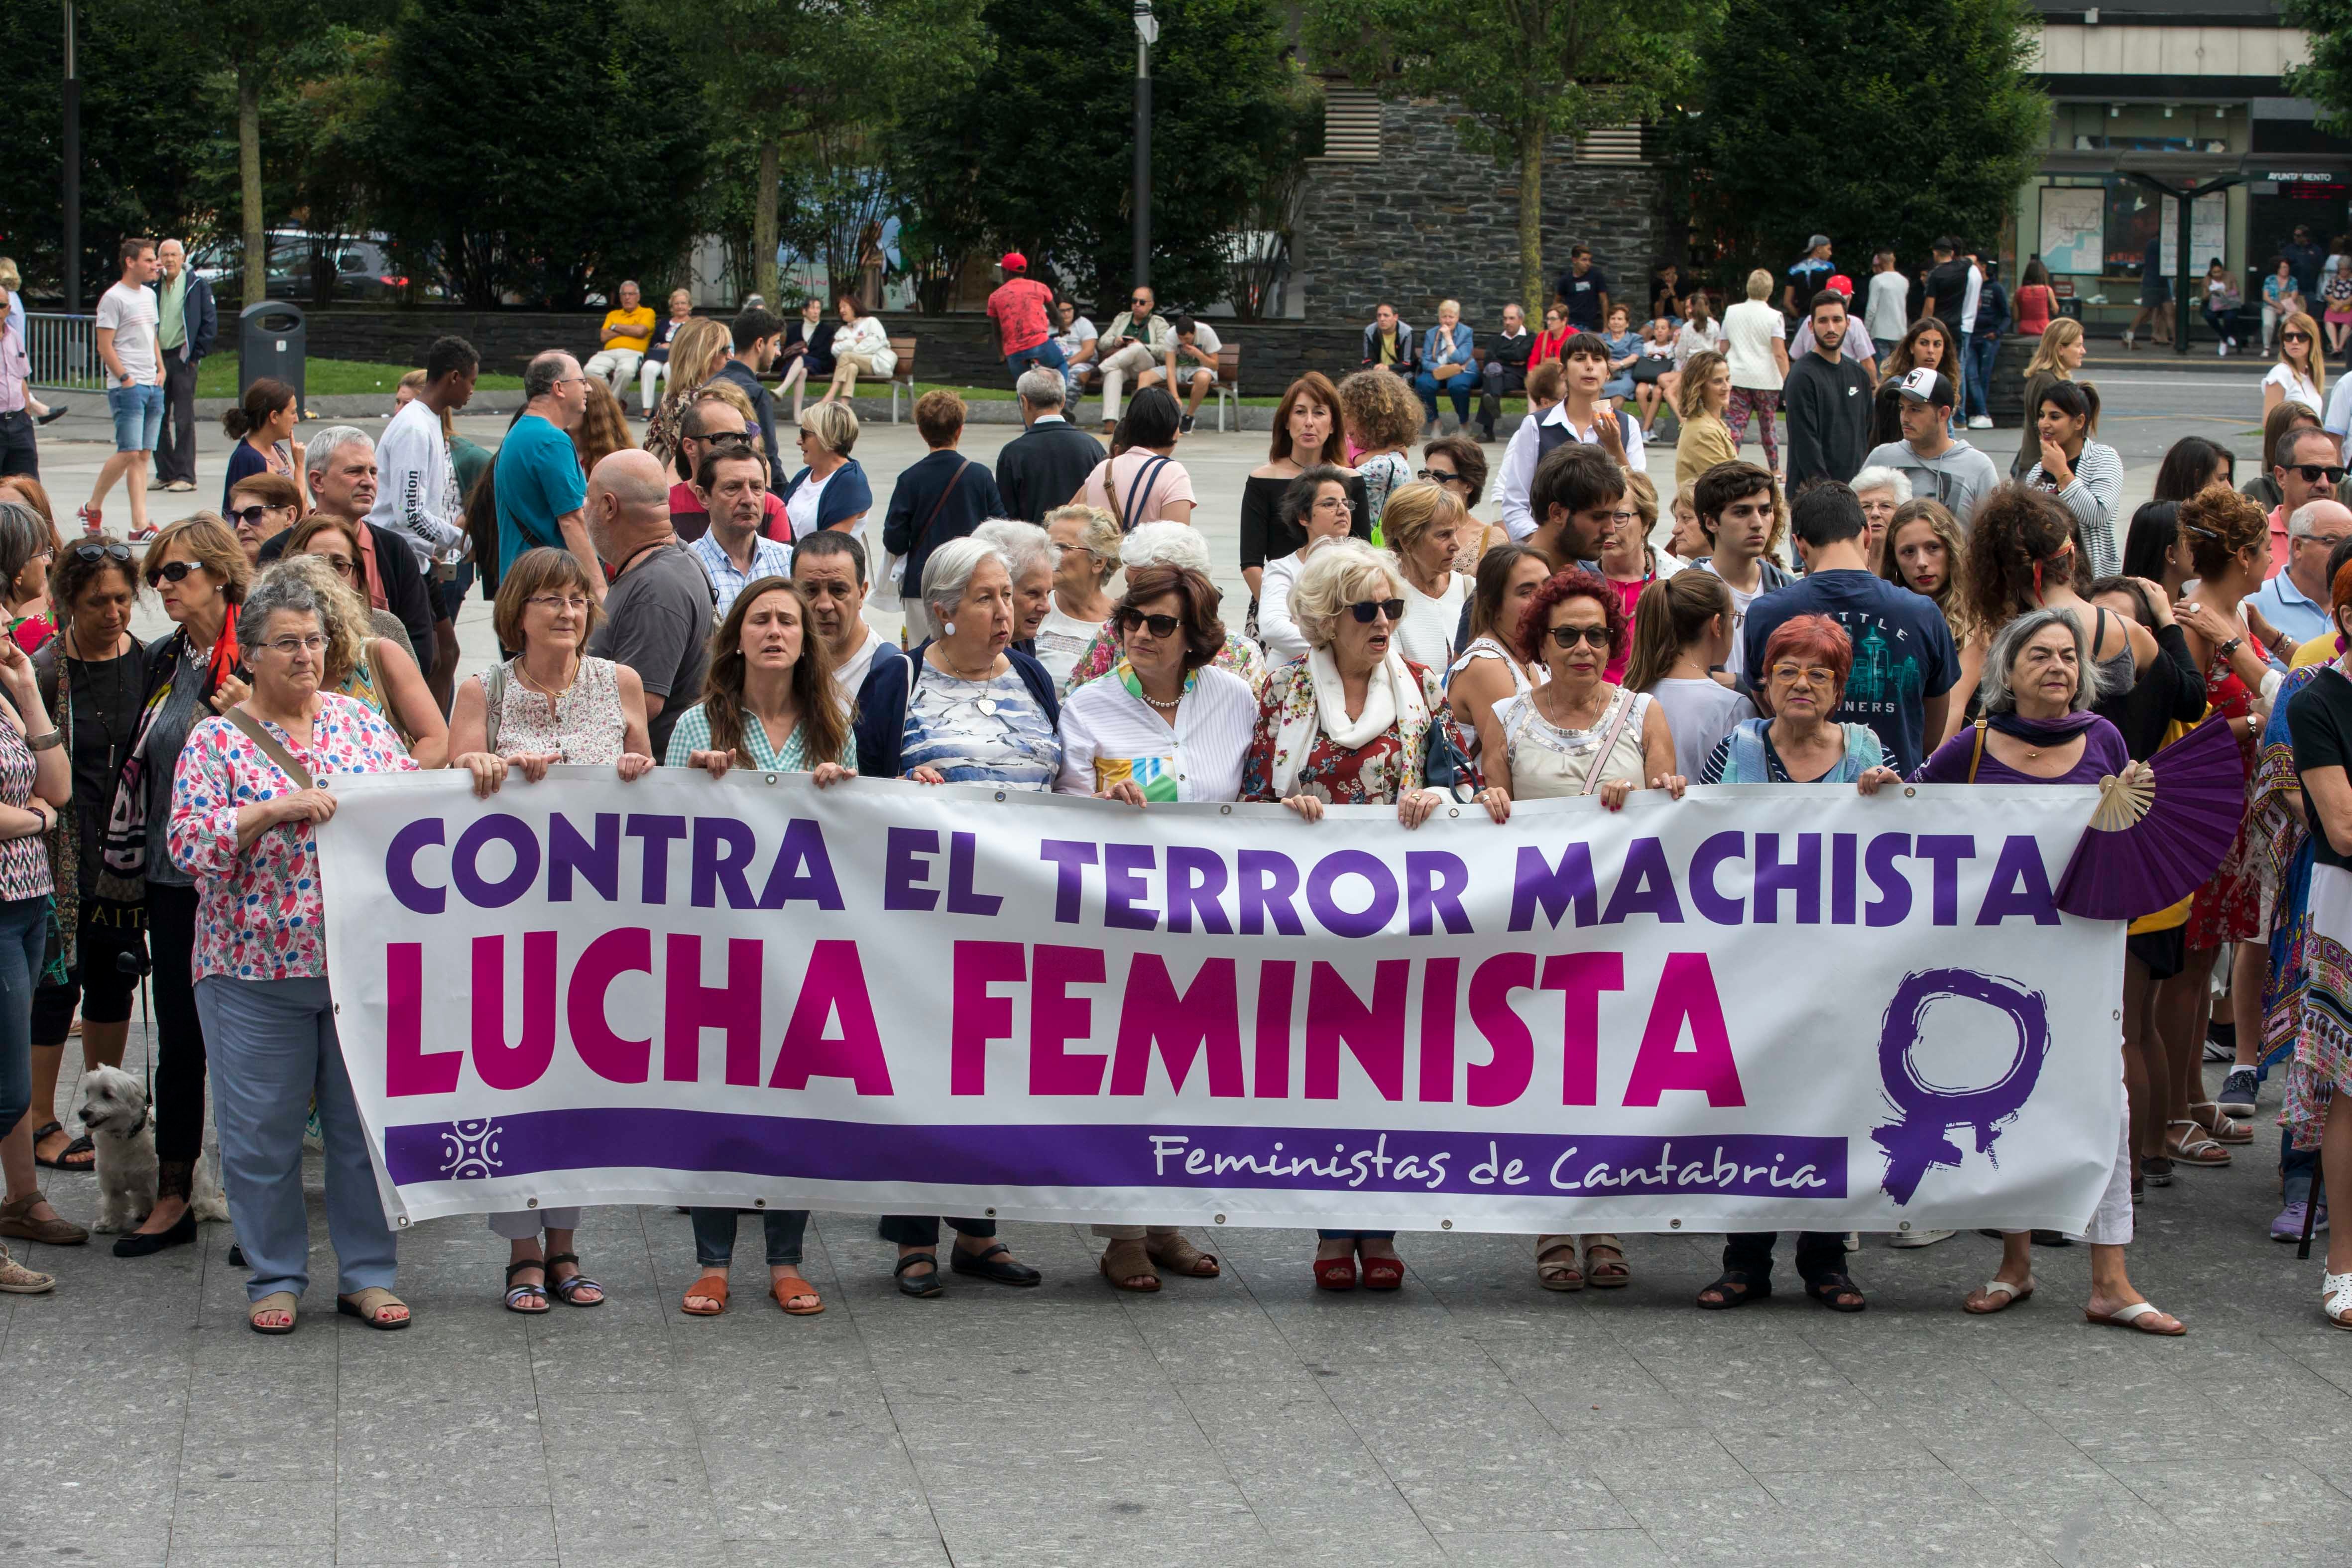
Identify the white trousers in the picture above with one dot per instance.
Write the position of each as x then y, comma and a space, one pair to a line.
1132, 360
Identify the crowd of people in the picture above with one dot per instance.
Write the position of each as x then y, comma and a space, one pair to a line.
1885, 606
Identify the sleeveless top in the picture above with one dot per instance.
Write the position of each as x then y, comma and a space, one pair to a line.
1547, 761
2117, 674
1488, 648
587, 726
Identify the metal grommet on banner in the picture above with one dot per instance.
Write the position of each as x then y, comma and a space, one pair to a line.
1452, 811
404, 1222
1000, 795
531, 1203
2118, 1014
339, 1007
772, 778
1221, 1219
1674, 1225
1446, 1224
759, 1203
1906, 1225
1908, 791
989, 1213
1224, 811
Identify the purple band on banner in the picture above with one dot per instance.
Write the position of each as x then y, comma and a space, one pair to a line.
1298, 1159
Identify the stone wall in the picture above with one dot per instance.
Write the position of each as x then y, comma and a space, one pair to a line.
1430, 220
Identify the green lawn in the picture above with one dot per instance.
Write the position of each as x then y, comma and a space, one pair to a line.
216, 377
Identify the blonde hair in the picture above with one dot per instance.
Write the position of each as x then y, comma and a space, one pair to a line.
2318, 349
1101, 535
1690, 398
698, 351
1644, 495
2057, 336
1759, 284
1414, 510
342, 614
833, 424
1339, 575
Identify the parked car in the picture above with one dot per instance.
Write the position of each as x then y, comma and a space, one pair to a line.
359, 266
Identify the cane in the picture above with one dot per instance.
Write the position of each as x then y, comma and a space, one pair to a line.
2310, 1202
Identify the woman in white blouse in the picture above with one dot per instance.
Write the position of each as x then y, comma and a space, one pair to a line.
2300, 373
1166, 724
1426, 536
1316, 503
860, 347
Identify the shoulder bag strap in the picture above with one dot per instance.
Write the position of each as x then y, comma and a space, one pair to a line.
925, 531
1148, 476
1976, 755
1608, 740
270, 747
494, 703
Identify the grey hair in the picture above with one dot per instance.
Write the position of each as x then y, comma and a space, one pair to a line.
1882, 479
2010, 640
320, 452
1042, 388
546, 368
948, 573
1101, 535
1024, 545
1166, 545
23, 535
290, 591
2303, 521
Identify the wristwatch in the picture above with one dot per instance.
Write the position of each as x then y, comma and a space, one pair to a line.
2230, 648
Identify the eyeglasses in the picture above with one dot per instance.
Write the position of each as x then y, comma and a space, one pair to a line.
1566, 638
2324, 540
171, 571
729, 438
342, 564
1141, 302
1334, 503
286, 647
1370, 610
553, 602
1439, 476
2294, 337
94, 551
2313, 472
1817, 675
1160, 625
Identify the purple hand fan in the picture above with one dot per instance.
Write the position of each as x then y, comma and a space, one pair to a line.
2161, 829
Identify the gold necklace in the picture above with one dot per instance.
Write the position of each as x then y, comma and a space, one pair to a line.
952, 669
554, 693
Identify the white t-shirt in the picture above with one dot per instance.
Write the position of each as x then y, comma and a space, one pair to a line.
1700, 713
1061, 641
1750, 328
130, 309
2297, 388
1697, 338
1890, 306
416, 490
1071, 342
1736, 661
801, 508
1426, 638
850, 673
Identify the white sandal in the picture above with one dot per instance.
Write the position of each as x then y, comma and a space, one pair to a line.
2129, 1317
2010, 1295
2336, 1299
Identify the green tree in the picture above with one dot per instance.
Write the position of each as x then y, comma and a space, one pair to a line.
1917, 119
1523, 73
817, 78
2326, 78
1038, 154
534, 146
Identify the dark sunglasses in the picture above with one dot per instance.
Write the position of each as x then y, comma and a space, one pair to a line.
93, 551
1140, 303
2311, 472
1566, 638
250, 516
1370, 608
1160, 625
728, 439
1440, 476
2294, 337
171, 571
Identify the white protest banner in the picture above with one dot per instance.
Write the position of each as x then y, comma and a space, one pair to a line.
1748, 1009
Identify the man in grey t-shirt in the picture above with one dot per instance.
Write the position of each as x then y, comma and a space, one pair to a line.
1940, 466
659, 609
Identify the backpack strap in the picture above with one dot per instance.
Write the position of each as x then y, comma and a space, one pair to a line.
1129, 513
271, 747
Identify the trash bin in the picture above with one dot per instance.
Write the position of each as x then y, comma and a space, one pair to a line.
273, 341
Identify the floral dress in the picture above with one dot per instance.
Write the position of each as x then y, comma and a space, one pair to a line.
1374, 773
263, 915
2229, 906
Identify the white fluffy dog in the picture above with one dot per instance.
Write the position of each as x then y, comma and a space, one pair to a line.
114, 1109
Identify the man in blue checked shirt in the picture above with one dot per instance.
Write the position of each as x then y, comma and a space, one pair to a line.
731, 483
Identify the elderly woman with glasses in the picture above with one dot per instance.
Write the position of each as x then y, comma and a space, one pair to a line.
1090, 543
363, 661
1166, 545
1167, 725
831, 492
245, 805
550, 703
1354, 723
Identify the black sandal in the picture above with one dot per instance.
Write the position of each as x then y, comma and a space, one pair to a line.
922, 1287
1005, 1273
82, 1145
564, 1288
1734, 1288
1838, 1293
519, 1294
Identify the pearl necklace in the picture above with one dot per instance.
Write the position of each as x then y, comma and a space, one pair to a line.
1169, 707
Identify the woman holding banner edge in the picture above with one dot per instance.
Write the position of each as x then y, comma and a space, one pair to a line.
768, 704
1354, 724
1166, 725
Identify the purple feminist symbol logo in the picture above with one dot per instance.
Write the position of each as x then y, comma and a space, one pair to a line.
1915, 1141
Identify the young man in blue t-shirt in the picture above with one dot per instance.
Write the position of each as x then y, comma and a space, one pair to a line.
1904, 660
543, 495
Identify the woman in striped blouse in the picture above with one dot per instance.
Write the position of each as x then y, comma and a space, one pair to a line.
2087, 476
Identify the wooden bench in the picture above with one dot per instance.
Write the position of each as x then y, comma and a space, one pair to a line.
903, 376
1225, 389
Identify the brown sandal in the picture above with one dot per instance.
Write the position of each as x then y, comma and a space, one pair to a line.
1554, 1271
1610, 1273
1176, 1254
715, 1291
810, 1302
1124, 1262
17, 1221
369, 1307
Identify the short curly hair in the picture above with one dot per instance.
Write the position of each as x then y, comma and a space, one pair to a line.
1570, 583
1381, 412
2219, 523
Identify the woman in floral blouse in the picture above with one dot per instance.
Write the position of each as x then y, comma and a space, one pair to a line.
1354, 724
35, 780
769, 703
244, 803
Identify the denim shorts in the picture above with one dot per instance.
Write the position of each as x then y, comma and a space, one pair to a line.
138, 416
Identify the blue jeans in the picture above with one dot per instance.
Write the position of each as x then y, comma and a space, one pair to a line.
714, 1235
1457, 388
1976, 369
138, 416
1047, 354
24, 946
273, 1047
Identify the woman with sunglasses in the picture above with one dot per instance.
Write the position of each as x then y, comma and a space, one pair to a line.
199, 572
831, 490
1577, 734
1353, 724
260, 508
2300, 372
1167, 725
91, 676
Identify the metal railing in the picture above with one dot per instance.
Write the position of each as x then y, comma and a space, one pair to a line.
64, 351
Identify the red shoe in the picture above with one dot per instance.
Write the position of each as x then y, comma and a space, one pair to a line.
89, 519
1335, 1273
1384, 1273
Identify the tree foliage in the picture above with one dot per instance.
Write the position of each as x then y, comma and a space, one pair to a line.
536, 148
1523, 73
1039, 155
2326, 78
1875, 124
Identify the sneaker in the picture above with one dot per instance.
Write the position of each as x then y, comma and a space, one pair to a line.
1920, 1237
1981, 422
1186, 427
143, 536
2288, 1227
2239, 1091
90, 520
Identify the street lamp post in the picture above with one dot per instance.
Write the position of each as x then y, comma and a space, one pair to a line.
1146, 33
73, 172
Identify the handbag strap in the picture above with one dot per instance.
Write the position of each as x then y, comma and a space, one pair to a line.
1609, 741
494, 705
1148, 476
924, 532
1976, 755
271, 747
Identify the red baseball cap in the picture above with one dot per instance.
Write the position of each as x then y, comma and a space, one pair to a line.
1015, 262
1839, 283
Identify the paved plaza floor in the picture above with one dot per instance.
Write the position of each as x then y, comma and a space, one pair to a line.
1471, 1417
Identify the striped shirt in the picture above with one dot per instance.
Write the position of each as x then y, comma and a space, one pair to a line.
693, 734
1111, 735
769, 558
2094, 498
